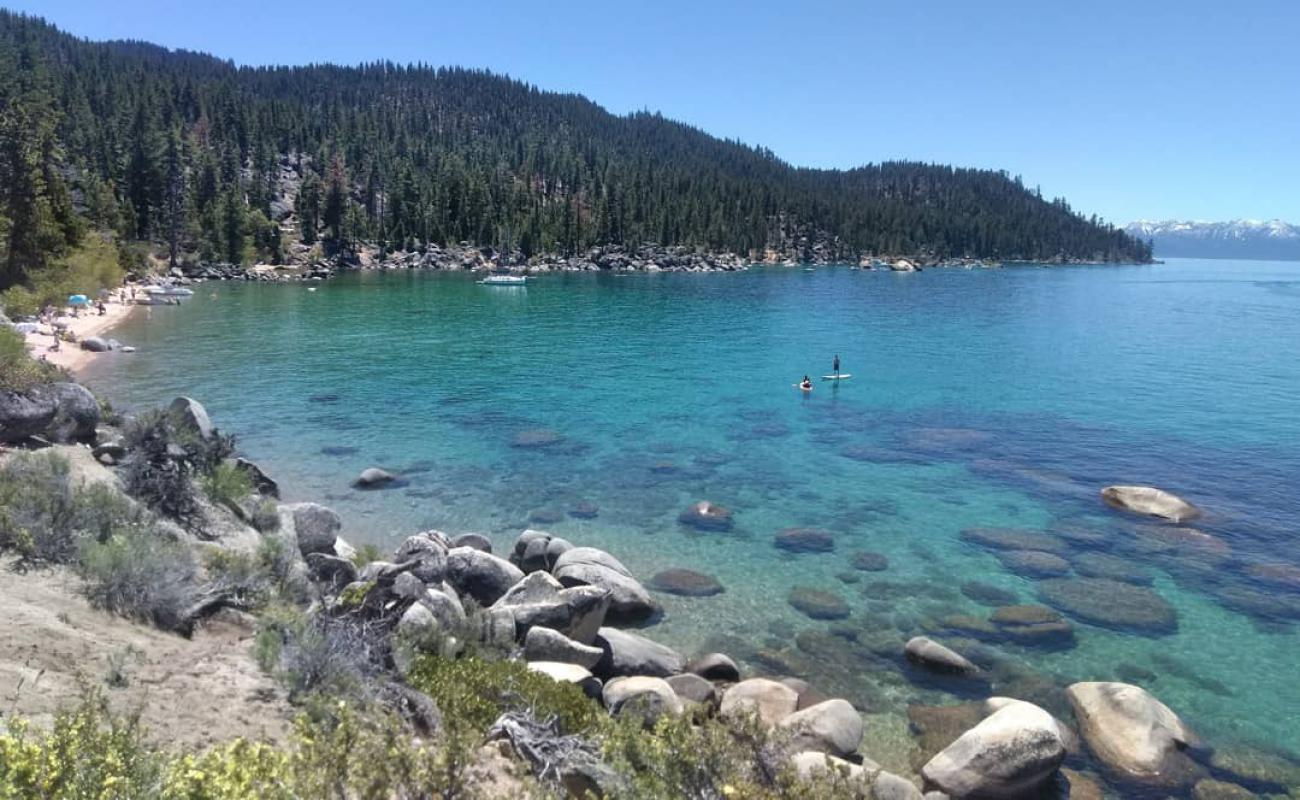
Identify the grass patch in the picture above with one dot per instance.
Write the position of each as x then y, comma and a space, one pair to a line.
227, 484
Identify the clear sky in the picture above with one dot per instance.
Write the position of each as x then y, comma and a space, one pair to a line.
1135, 109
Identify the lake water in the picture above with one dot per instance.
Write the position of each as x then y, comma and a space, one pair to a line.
986, 398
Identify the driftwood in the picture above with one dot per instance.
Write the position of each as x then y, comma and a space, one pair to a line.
563, 759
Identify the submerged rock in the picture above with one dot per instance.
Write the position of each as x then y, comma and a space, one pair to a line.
1016, 539
818, 604
584, 510
1104, 565
536, 438
868, 561
1135, 734
987, 594
686, 583
804, 540
1034, 563
935, 657
706, 516
1111, 604
1033, 625
1150, 501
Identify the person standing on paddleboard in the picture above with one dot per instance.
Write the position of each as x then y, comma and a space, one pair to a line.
836, 366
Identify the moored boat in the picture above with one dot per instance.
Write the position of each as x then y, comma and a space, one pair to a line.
505, 280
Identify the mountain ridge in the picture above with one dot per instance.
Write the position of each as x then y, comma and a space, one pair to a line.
1272, 239
186, 152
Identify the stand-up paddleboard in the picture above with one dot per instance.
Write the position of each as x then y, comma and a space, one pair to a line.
844, 376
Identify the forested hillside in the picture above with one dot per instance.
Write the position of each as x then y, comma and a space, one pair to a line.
203, 160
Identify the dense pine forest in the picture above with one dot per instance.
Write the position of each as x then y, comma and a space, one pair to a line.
189, 158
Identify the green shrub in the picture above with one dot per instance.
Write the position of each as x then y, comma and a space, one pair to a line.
139, 574
18, 370
710, 759
165, 456
475, 691
349, 755
317, 654
227, 484
366, 553
44, 516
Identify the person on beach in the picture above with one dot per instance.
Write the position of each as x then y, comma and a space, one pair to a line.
100, 306
836, 366
54, 345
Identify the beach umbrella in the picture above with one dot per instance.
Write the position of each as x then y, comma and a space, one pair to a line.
78, 300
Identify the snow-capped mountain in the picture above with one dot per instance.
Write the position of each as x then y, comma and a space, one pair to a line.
1242, 238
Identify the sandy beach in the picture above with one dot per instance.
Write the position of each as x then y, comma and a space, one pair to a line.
70, 355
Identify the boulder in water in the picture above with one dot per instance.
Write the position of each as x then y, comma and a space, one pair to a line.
868, 561
1034, 563
1134, 734
588, 566
706, 516
95, 344
1111, 604
1105, 565
1033, 625
373, 478
1150, 501
685, 582
536, 438
935, 657
804, 540
818, 604
715, 667
1016, 539
987, 594
1012, 753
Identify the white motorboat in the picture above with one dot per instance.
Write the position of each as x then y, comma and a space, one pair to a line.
505, 280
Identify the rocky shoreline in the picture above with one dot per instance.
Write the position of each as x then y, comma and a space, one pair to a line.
577, 615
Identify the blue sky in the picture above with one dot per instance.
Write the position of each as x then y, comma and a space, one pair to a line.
1139, 109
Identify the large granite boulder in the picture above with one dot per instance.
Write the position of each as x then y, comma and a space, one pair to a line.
1111, 604
645, 697
804, 540
706, 516
629, 654
833, 726
475, 540
545, 644
58, 412
587, 566
933, 656
715, 667
480, 575
569, 673
1134, 734
427, 552
95, 344
316, 527
1012, 753
1151, 502
692, 688
190, 414
769, 700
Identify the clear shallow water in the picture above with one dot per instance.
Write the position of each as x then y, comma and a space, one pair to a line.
979, 398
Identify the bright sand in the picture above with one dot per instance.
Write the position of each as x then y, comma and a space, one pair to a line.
70, 356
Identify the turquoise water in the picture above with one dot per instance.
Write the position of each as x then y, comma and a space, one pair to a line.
979, 398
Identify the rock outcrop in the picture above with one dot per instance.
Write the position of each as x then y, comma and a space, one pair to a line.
1012, 753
